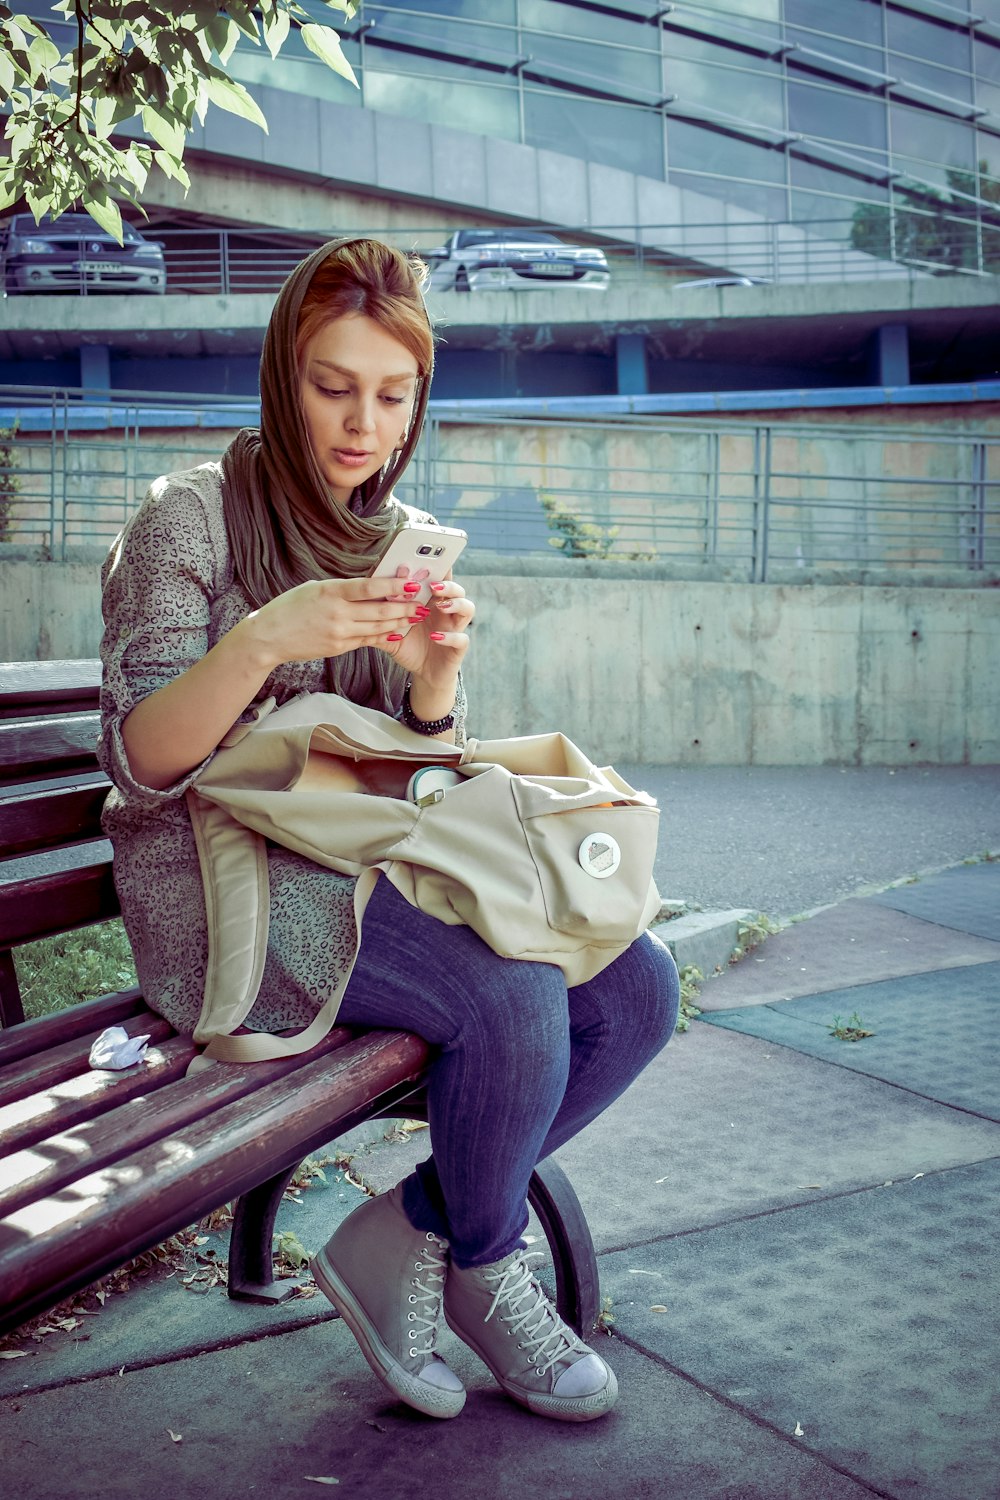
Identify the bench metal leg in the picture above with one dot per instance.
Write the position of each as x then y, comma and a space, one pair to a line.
251, 1260
550, 1194
578, 1291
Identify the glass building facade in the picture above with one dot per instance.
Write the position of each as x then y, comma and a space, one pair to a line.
878, 121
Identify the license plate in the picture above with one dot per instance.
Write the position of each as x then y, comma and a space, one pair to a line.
550, 268
98, 268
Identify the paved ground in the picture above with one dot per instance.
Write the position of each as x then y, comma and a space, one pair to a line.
797, 1233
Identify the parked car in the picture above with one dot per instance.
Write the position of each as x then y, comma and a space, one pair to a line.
73, 254
479, 260
681, 286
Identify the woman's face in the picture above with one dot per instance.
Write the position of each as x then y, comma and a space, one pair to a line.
358, 388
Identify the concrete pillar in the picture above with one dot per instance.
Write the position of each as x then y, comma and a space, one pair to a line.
889, 355
631, 365
95, 367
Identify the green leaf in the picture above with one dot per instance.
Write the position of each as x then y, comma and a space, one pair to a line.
325, 43
44, 53
276, 32
171, 167
102, 110
223, 34
165, 133
7, 75
230, 95
132, 168
105, 211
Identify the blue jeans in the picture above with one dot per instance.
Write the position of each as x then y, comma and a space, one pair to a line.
523, 1064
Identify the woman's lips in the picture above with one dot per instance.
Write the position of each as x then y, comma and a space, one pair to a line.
352, 458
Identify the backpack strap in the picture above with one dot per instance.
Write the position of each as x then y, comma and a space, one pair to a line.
233, 860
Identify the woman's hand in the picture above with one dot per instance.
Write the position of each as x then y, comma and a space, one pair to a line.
434, 645
329, 617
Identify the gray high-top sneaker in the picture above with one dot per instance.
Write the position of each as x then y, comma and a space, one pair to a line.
504, 1315
386, 1278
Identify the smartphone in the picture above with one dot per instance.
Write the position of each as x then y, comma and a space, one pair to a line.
427, 552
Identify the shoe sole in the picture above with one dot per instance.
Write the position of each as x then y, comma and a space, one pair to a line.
432, 1401
561, 1408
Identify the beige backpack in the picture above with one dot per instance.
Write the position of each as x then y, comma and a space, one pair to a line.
546, 856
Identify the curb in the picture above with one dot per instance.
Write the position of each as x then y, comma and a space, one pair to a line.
703, 940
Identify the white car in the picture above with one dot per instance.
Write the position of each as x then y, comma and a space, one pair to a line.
480, 260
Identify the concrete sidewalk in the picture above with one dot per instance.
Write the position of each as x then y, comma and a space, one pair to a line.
797, 1241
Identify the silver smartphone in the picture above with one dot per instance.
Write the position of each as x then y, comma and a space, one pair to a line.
428, 553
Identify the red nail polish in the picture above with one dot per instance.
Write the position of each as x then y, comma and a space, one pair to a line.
395, 636
437, 587
422, 611
411, 588
436, 635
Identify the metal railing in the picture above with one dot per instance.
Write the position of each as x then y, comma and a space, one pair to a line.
756, 500
214, 262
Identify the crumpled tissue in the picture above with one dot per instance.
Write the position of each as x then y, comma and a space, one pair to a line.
114, 1048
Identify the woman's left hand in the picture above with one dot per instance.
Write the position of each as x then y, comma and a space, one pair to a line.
435, 645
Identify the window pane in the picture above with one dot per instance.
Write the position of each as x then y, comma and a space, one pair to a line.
752, 97
442, 101
834, 115
548, 15
499, 10
615, 134
858, 19
297, 70
457, 39
926, 38
769, 202
933, 138
872, 58
987, 58
594, 66
942, 80
809, 174
697, 148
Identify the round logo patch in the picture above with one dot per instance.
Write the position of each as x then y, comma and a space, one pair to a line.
600, 855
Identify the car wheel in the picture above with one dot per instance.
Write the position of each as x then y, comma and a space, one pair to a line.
462, 280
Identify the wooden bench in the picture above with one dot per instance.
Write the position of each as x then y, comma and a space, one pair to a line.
96, 1167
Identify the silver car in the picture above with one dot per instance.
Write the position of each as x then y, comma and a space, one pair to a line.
73, 254
479, 260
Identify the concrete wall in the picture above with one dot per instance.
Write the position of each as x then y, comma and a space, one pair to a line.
641, 667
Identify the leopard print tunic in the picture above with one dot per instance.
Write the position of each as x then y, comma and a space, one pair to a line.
169, 596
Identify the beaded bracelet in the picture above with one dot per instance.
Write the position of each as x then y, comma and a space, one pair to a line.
424, 726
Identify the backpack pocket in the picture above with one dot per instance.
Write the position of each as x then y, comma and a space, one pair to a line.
593, 858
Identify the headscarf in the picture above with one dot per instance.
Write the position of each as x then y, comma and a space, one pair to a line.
283, 524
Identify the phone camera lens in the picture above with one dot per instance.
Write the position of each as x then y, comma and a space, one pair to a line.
424, 551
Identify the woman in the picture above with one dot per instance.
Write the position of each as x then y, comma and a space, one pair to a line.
246, 579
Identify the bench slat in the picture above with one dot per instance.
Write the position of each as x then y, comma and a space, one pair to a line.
47, 743
37, 1035
43, 816
36, 1074
54, 686
125, 1127
173, 1183
58, 890
27, 1121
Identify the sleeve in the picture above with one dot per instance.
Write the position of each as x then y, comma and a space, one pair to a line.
158, 584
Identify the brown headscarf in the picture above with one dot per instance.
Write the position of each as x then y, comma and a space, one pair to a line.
283, 524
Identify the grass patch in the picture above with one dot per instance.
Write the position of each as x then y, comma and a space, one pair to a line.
58, 972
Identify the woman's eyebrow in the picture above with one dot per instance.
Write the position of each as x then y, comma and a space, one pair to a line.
328, 364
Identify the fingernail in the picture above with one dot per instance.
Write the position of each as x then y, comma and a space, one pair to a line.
416, 619
436, 635
437, 587
395, 636
412, 588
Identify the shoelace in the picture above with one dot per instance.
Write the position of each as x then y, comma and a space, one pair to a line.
426, 1295
544, 1332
